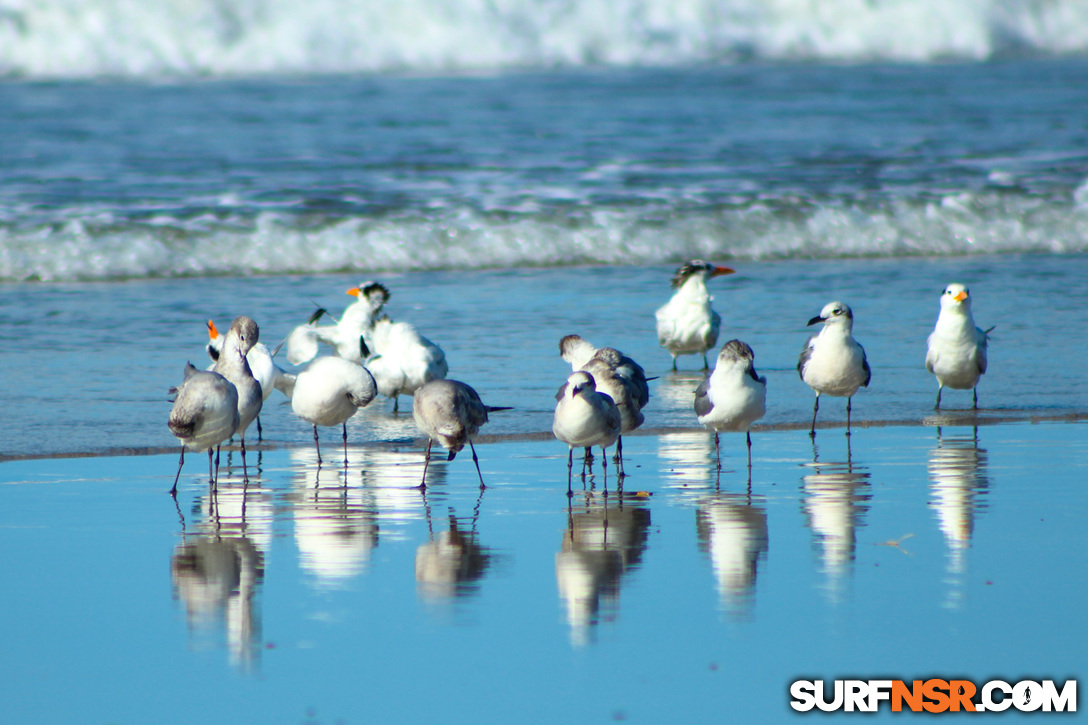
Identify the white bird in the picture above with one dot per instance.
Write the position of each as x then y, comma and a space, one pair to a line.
329, 391
686, 325
233, 365
346, 336
399, 358
450, 412
957, 349
617, 376
207, 409
578, 352
733, 396
261, 363
832, 362
585, 418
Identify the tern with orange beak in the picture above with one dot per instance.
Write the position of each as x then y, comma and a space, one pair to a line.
832, 362
687, 325
957, 349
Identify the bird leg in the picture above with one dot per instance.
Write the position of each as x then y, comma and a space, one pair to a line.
674, 363
717, 451
426, 463
570, 469
706, 364
604, 469
245, 471
477, 462
974, 398
587, 460
215, 480
396, 403
848, 401
815, 408
940, 388
345, 445
317, 445
260, 433
174, 490
749, 436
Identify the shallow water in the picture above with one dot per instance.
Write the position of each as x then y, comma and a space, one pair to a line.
315, 596
87, 366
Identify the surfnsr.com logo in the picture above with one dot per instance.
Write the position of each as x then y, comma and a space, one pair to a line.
934, 695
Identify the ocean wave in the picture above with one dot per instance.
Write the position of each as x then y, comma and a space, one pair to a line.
97, 248
91, 38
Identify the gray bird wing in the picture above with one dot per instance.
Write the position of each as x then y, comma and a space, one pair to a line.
806, 355
865, 367
562, 392
703, 404
984, 340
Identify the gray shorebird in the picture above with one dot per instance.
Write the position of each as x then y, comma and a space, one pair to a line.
451, 413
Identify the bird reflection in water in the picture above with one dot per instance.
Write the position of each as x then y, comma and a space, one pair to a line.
217, 572
958, 480
336, 525
688, 458
834, 500
604, 541
732, 530
451, 563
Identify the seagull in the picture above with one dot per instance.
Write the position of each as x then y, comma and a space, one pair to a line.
957, 349
617, 376
585, 418
270, 375
329, 391
733, 396
346, 335
233, 365
832, 362
207, 407
450, 412
686, 325
578, 352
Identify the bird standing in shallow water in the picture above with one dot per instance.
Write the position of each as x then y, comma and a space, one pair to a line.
328, 392
617, 376
233, 365
585, 418
956, 351
686, 325
270, 375
207, 408
832, 362
450, 412
733, 396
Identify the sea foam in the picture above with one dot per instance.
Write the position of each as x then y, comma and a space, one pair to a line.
275, 243
90, 38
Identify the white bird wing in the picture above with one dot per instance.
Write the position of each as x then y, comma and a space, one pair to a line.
302, 344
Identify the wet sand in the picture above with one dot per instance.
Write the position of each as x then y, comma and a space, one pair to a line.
325, 595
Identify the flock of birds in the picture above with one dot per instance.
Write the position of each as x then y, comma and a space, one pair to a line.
602, 398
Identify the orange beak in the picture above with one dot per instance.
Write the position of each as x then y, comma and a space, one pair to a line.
719, 271
960, 297
354, 292
212, 332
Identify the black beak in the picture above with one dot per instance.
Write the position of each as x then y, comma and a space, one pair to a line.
814, 320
